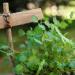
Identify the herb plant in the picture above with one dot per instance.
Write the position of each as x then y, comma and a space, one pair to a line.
46, 51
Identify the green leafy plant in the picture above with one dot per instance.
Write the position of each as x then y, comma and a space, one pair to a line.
46, 51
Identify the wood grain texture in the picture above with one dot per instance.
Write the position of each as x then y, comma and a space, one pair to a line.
25, 17
21, 18
2, 22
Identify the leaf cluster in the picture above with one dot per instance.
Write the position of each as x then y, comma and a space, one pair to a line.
45, 52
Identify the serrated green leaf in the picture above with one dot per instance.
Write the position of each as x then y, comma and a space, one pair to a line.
19, 69
34, 19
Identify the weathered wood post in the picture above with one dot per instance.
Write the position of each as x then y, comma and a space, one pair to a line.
6, 16
8, 29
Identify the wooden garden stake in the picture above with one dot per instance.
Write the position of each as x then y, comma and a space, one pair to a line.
8, 31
